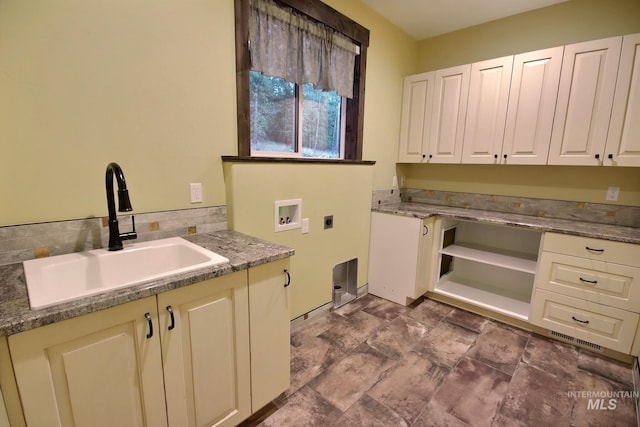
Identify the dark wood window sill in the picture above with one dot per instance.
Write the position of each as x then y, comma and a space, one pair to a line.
249, 159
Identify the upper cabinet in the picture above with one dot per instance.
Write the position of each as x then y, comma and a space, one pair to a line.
570, 105
623, 141
585, 98
433, 116
532, 104
451, 90
417, 99
487, 110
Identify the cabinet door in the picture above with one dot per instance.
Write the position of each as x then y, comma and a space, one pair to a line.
417, 98
96, 370
206, 353
393, 256
623, 141
270, 334
585, 98
451, 92
532, 104
487, 110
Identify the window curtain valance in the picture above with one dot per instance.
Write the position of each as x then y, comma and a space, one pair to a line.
290, 46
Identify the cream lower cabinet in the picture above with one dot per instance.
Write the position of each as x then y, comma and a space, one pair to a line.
588, 290
95, 370
204, 331
117, 366
400, 256
489, 266
269, 308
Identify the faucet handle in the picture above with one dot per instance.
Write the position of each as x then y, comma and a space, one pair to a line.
131, 234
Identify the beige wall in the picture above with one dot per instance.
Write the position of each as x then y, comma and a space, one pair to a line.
565, 23
569, 22
148, 84
338, 190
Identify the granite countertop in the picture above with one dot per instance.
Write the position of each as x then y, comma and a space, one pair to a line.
242, 251
563, 226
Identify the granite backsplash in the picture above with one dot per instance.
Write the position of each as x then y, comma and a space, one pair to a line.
22, 242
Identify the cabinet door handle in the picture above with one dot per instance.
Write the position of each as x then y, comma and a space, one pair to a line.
148, 317
594, 250
591, 282
173, 320
426, 230
585, 322
288, 282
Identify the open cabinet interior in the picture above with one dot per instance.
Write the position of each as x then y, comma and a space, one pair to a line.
491, 266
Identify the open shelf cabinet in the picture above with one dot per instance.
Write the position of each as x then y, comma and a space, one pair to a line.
491, 266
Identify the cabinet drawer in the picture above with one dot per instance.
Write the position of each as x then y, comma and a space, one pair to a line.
585, 247
599, 324
597, 281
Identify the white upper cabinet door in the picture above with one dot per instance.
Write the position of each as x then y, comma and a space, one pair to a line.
623, 141
449, 111
417, 98
585, 98
532, 104
487, 110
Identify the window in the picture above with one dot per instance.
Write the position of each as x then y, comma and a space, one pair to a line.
287, 121
279, 118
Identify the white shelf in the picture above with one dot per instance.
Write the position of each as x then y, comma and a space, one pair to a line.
481, 295
510, 260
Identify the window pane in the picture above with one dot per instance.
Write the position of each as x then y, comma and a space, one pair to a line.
321, 123
273, 111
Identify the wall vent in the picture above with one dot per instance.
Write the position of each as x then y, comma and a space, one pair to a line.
576, 341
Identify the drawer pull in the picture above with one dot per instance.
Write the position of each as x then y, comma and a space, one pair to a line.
591, 282
585, 322
594, 250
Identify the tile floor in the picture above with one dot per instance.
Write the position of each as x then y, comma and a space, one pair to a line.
376, 363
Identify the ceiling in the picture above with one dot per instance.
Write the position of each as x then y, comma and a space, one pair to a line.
422, 19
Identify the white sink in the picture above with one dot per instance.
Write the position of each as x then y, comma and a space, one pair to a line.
68, 277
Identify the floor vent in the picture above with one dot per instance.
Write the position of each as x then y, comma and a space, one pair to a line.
576, 341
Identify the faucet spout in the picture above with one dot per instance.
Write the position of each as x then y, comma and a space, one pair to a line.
124, 205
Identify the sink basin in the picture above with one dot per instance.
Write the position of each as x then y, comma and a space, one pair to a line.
68, 277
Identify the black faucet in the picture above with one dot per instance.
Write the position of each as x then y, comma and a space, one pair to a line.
124, 205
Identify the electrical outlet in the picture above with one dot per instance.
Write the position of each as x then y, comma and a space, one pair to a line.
195, 192
613, 193
328, 221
